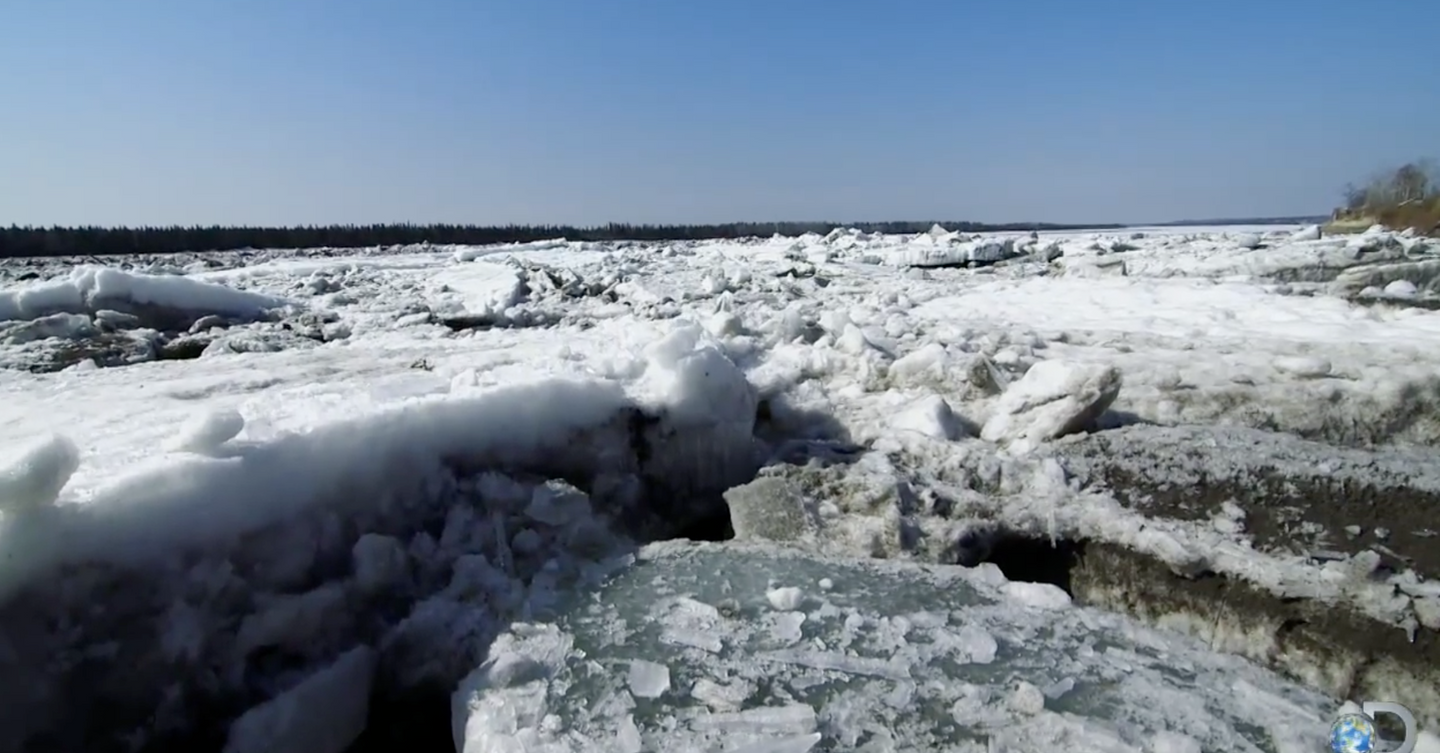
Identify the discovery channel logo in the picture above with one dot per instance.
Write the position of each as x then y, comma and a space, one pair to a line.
1358, 733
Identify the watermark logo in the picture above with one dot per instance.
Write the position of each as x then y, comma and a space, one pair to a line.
1358, 733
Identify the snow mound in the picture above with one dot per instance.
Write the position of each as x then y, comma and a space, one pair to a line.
91, 288
263, 518
34, 478
207, 431
345, 466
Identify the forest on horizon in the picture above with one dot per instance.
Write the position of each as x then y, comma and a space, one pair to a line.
19, 241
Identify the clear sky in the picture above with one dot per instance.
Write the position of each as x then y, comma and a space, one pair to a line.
118, 112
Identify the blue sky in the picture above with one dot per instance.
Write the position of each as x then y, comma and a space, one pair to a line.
587, 111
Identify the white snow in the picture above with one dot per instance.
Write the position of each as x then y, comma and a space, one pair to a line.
36, 474
207, 431
89, 287
481, 287
254, 472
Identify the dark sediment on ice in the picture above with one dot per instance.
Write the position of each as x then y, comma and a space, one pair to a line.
1297, 497
1332, 648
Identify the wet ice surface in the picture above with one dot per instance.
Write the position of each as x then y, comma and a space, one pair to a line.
891, 657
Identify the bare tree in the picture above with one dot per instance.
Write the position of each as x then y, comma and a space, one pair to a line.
1356, 196
1412, 182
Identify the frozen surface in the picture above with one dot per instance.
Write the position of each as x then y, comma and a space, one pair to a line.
300, 417
892, 657
89, 288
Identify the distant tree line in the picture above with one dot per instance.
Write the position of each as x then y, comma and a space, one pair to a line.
18, 241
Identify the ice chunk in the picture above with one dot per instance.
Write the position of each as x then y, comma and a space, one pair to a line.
989, 252
1037, 595
930, 256
725, 324
1401, 289
323, 714
853, 340
556, 504
975, 645
1167, 741
838, 662
1308, 233
503, 704
791, 744
1054, 398
788, 627
785, 598
795, 718
682, 636
721, 697
928, 360
1027, 699
1427, 611
648, 679
119, 320
68, 326
930, 416
768, 508
627, 737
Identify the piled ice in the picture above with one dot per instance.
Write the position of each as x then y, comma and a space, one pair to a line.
96, 316
466, 433
93, 288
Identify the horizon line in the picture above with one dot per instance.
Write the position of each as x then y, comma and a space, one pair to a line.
1258, 219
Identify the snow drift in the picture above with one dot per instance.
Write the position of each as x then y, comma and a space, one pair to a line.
275, 523
90, 289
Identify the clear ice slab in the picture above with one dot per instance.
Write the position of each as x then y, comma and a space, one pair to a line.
881, 656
